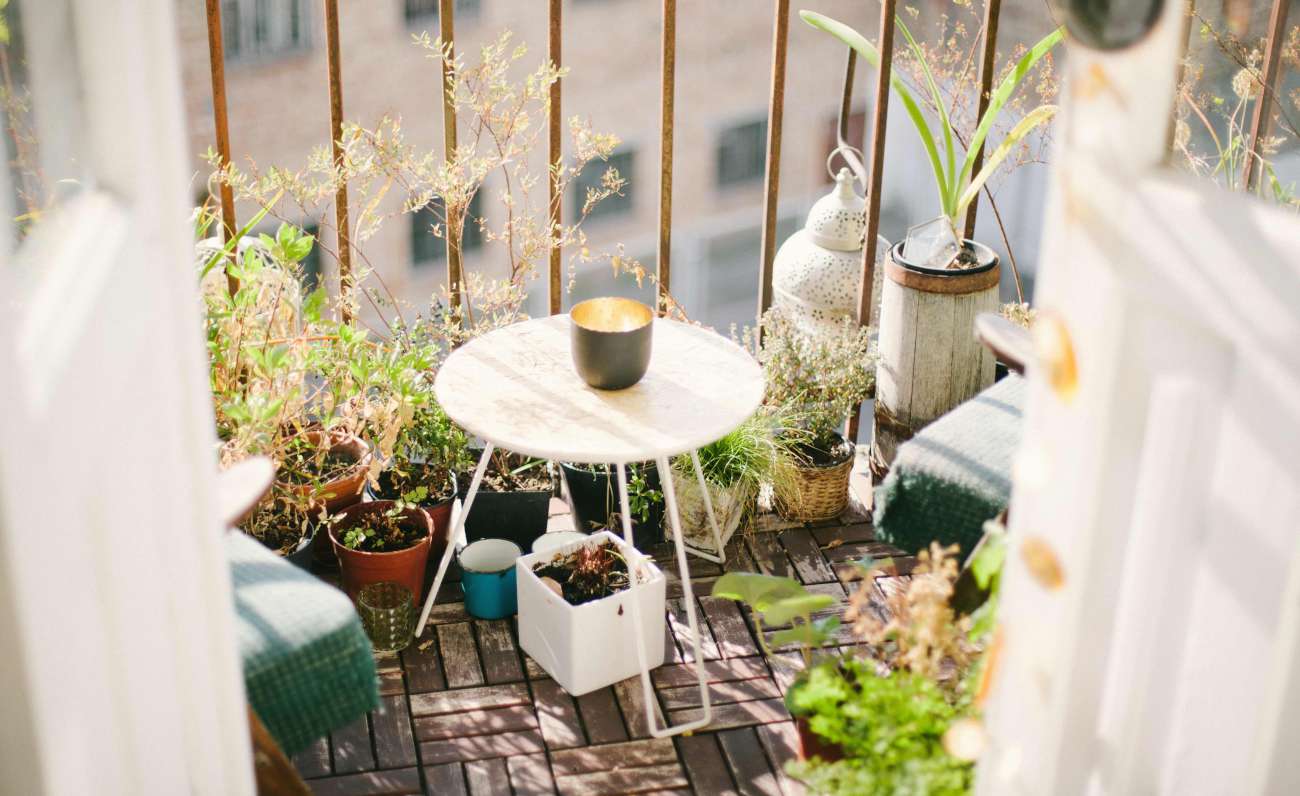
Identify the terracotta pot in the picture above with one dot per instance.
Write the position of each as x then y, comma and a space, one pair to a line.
813, 745
359, 568
341, 492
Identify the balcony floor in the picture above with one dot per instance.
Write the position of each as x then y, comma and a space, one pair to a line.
463, 711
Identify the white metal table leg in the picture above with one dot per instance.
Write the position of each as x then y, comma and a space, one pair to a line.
720, 554
647, 688
454, 534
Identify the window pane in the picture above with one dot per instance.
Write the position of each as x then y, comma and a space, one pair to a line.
591, 177
741, 154
310, 265
426, 11
428, 248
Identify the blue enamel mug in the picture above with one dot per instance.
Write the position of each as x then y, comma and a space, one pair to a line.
488, 578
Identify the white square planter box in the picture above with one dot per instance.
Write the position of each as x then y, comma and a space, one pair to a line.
589, 646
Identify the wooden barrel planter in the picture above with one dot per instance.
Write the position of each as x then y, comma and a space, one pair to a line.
930, 360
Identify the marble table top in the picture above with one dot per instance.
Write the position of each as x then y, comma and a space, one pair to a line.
517, 388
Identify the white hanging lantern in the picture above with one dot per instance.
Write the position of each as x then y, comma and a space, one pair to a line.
817, 270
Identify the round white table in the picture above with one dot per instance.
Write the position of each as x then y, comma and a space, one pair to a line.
516, 388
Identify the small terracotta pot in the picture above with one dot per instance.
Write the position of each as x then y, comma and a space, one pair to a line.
359, 568
341, 492
813, 745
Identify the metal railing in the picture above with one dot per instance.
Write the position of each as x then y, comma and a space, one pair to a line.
870, 174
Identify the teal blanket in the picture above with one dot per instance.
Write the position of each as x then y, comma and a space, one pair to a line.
953, 475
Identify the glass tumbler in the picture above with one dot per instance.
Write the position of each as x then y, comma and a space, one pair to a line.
388, 615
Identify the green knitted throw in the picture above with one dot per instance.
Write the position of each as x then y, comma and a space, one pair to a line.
953, 475
308, 666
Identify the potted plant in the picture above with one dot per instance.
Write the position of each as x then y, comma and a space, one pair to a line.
735, 469
774, 601
574, 594
383, 540
284, 526
513, 501
594, 500
814, 381
933, 291
326, 469
905, 718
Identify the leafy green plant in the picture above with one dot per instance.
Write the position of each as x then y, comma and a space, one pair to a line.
891, 729
813, 380
955, 179
386, 532
641, 498
774, 600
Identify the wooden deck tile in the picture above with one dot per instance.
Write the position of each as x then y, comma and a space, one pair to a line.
781, 742
587, 759
481, 747
459, 655
729, 628
720, 693
372, 783
744, 754
704, 764
530, 775
601, 716
475, 722
423, 665
738, 714
351, 744
631, 700
314, 761
682, 631
447, 779
809, 564
394, 744
389, 667
488, 778
857, 532
452, 610
719, 671
649, 779
557, 715
498, 652
769, 555
470, 699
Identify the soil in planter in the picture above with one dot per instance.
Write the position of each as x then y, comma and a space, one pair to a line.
381, 533
278, 528
824, 455
510, 472
303, 464
434, 479
591, 572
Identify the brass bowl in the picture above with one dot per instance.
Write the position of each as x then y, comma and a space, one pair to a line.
610, 341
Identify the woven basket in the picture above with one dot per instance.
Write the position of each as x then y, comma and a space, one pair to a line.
815, 492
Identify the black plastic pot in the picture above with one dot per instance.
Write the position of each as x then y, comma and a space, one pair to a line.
302, 555
519, 515
593, 498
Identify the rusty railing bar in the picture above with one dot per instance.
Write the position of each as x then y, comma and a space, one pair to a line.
772, 166
668, 65
555, 122
447, 35
879, 118
217, 67
336, 135
846, 147
988, 54
1272, 72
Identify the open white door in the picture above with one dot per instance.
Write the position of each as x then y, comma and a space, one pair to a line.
119, 655
1166, 483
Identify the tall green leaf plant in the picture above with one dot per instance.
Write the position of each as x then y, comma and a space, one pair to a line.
956, 184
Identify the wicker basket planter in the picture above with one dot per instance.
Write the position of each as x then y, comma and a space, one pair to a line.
816, 492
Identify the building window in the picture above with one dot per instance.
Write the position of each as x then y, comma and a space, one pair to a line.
426, 11
310, 267
592, 176
253, 29
428, 248
742, 153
